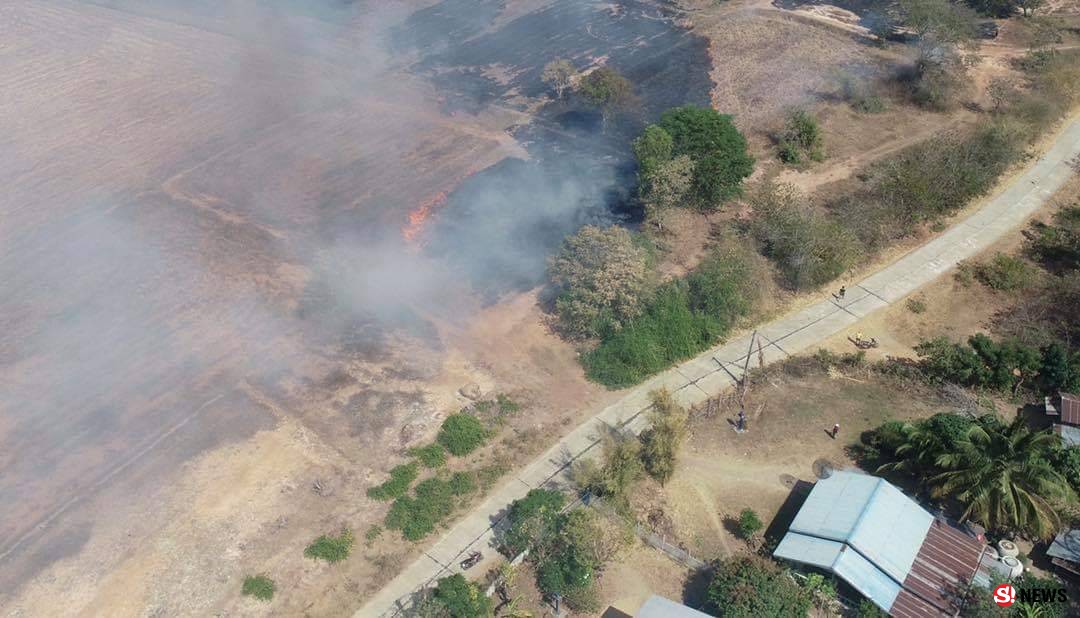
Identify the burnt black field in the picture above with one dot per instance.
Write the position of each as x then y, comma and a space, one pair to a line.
499, 225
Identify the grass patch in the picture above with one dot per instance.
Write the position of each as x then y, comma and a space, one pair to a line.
507, 405
373, 533
331, 548
401, 477
916, 305
431, 456
259, 586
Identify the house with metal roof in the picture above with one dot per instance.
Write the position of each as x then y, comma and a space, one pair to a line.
881, 542
1064, 552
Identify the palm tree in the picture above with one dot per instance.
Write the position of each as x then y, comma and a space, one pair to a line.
1001, 474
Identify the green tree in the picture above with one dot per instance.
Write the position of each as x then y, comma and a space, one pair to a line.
530, 517
608, 91
752, 587
717, 149
601, 277
1002, 476
560, 75
462, 598
655, 146
1058, 372
662, 440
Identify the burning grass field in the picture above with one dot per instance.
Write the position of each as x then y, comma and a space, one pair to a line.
226, 277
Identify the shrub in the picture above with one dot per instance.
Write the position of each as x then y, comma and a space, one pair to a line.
569, 559
401, 477
916, 305
983, 362
608, 90
668, 331
801, 136
374, 531
1004, 273
809, 249
1057, 245
620, 466
751, 587
717, 149
601, 278
749, 524
462, 434
660, 443
460, 597
331, 548
867, 609
259, 586
431, 456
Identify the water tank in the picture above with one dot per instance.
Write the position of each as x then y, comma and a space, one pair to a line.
1015, 566
1008, 548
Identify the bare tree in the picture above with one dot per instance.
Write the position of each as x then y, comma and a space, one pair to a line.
560, 75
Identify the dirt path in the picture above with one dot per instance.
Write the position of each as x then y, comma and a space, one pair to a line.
719, 368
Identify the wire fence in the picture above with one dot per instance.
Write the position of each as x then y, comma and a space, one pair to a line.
676, 553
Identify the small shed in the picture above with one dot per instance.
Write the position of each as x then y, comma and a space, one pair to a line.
1065, 407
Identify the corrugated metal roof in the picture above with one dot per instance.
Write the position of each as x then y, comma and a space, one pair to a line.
869, 514
821, 553
1066, 546
882, 543
658, 607
865, 577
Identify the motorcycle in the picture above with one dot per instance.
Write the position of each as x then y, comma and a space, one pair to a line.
471, 560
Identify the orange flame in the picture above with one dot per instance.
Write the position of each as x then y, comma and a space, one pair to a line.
420, 215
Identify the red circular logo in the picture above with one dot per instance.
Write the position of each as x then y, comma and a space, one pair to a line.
1005, 595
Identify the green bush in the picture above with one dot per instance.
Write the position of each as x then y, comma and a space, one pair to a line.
431, 456
462, 434
331, 548
983, 362
374, 531
1057, 245
259, 586
1004, 273
401, 477
801, 136
749, 524
867, 609
432, 501
668, 332
752, 587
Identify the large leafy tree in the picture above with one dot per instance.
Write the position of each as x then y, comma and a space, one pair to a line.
1002, 475
530, 518
716, 148
608, 90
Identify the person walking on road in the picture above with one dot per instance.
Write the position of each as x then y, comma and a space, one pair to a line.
835, 430
843, 292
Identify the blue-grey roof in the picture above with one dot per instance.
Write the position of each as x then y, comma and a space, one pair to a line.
1070, 436
862, 529
659, 607
1066, 546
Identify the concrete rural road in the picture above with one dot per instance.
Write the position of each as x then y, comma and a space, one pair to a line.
717, 369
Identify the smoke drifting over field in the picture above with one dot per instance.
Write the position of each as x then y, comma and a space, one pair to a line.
202, 194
